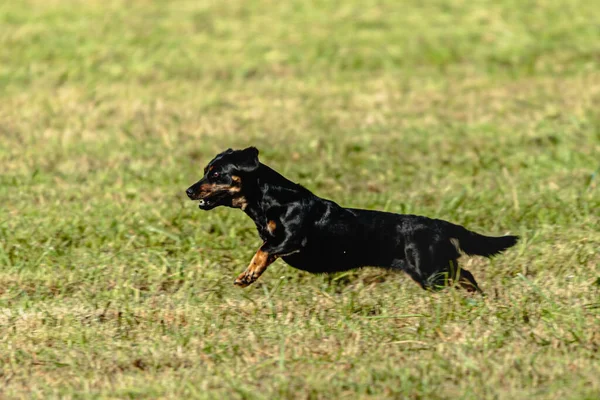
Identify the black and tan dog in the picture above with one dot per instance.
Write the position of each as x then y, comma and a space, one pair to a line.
319, 236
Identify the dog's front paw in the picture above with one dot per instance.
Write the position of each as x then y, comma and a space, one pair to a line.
244, 279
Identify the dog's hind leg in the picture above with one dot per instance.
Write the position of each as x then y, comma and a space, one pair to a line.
416, 264
467, 281
402, 264
417, 278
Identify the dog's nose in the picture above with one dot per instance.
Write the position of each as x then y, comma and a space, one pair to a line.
189, 192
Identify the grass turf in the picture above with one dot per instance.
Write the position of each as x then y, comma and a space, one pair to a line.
113, 285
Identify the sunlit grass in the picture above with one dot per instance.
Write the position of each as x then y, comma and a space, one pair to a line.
112, 284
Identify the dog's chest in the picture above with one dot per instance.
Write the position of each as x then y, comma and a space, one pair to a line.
266, 229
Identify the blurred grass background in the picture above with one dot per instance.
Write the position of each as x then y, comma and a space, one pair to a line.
112, 285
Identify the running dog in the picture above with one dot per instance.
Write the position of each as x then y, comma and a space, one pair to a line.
319, 236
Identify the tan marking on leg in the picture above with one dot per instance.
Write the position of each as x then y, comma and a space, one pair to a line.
258, 265
271, 226
467, 281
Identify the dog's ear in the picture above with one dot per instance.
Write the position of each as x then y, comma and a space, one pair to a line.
248, 159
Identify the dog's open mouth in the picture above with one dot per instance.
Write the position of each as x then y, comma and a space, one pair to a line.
211, 201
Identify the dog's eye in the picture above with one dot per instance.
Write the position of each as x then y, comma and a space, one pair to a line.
215, 175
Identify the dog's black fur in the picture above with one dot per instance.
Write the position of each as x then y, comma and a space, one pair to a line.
319, 236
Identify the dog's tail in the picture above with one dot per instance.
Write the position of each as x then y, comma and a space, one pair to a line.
473, 243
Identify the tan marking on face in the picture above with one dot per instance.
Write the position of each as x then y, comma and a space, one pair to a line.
211, 168
214, 187
271, 225
236, 186
207, 187
258, 265
239, 202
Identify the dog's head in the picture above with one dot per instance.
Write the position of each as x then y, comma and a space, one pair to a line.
223, 180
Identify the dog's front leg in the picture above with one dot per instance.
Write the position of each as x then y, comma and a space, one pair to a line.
285, 238
259, 263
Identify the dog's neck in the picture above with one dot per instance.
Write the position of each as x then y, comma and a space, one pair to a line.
255, 189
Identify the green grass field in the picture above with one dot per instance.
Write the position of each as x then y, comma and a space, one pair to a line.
113, 285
